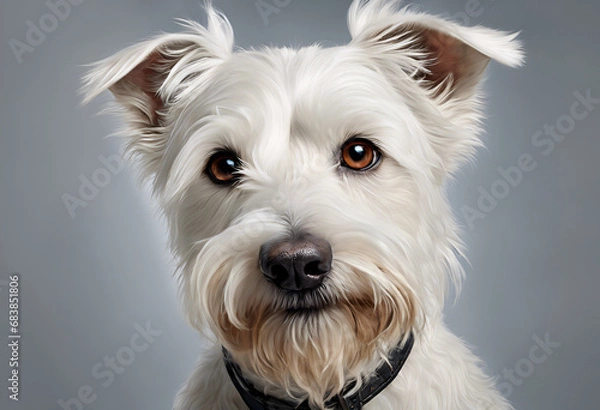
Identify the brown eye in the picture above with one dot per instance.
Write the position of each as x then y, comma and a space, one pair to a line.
359, 154
223, 167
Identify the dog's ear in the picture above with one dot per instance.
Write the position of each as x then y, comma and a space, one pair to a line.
445, 59
147, 78
434, 51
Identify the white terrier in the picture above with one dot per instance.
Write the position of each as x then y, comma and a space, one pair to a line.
304, 194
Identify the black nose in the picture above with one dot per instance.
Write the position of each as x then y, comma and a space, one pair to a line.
296, 264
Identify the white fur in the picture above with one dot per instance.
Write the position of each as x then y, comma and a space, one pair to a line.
286, 112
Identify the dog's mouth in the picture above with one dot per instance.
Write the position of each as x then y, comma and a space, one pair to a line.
294, 302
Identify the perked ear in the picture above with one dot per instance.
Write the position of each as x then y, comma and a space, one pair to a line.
148, 77
443, 56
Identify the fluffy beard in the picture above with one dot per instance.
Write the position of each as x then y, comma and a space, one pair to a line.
299, 346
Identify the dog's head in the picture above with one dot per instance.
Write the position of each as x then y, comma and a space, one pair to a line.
303, 187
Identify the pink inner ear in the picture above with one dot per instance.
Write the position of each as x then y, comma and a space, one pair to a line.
139, 89
449, 56
147, 78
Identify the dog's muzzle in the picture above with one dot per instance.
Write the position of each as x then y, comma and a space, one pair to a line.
300, 263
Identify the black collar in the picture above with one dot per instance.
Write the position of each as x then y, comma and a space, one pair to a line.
383, 376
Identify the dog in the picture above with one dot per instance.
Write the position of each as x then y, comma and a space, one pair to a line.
304, 194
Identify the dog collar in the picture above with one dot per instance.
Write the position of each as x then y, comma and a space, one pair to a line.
383, 376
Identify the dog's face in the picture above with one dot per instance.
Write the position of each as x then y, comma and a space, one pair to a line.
303, 188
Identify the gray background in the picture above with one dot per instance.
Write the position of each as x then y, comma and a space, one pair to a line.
86, 281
